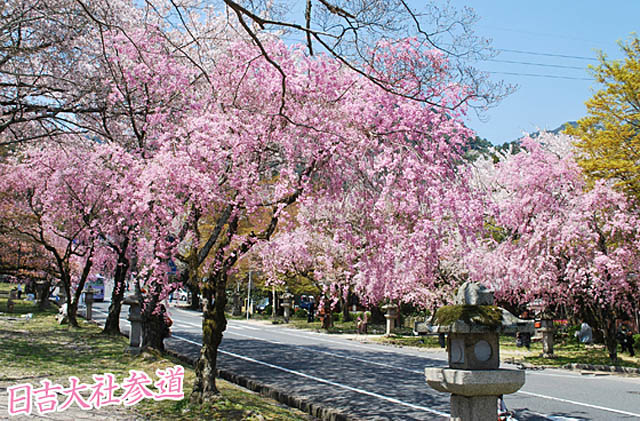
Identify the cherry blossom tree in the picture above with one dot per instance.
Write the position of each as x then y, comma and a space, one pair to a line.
24, 261
559, 241
312, 255
237, 158
52, 203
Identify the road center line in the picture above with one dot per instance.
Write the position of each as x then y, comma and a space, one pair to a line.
325, 381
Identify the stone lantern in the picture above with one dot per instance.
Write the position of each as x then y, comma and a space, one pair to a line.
237, 309
391, 313
287, 299
473, 377
135, 317
547, 329
88, 300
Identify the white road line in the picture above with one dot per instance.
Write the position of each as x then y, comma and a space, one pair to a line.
248, 327
325, 381
602, 408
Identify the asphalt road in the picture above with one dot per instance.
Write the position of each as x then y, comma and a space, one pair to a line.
377, 382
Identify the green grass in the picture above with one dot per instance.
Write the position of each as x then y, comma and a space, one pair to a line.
31, 349
6, 286
430, 341
566, 352
19, 306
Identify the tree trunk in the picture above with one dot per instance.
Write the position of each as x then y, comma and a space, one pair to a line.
72, 307
155, 329
610, 340
346, 314
72, 312
72, 304
112, 325
214, 324
327, 315
377, 316
327, 320
195, 297
605, 321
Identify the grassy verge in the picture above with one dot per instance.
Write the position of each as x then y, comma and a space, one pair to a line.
37, 347
566, 352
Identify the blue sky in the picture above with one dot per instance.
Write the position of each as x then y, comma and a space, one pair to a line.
570, 28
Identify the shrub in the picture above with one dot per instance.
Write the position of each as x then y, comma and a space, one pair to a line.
300, 313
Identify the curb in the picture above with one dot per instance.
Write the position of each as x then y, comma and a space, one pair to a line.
576, 367
318, 411
605, 368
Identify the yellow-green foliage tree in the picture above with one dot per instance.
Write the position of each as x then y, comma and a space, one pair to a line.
609, 136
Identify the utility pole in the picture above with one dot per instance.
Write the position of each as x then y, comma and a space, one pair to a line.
274, 306
249, 296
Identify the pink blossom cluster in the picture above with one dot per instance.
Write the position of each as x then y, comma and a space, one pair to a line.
375, 176
555, 238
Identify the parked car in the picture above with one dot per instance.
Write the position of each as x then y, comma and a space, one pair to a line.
262, 305
182, 295
97, 285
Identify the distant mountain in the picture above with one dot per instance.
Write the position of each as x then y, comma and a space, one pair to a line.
554, 131
479, 146
482, 147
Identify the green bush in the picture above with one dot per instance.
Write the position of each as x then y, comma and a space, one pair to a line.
300, 313
636, 341
568, 335
360, 314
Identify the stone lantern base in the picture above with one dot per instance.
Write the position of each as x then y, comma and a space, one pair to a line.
474, 393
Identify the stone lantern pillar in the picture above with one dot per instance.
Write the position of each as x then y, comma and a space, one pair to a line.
88, 300
391, 313
287, 299
135, 317
473, 377
547, 329
237, 308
